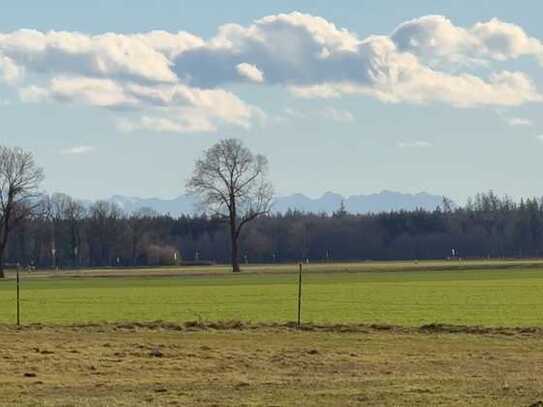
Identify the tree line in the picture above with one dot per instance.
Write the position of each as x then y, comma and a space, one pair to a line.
57, 231
229, 180
65, 233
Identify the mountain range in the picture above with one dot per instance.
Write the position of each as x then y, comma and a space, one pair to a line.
384, 201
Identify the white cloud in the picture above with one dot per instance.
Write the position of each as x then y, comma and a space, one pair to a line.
186, 109
250, 72
328, 113
186, 122
77, 150
33, 94
324, 90
421, 85
519, 121
540, 137
137, 56
90, 91
10, 73
423, 61
342, 116
414, 144
315, 59
171, 45
288, 48
438, 40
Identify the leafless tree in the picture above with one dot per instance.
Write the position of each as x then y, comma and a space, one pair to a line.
62, 210
20, 178
104, 232
74, 214
139, 225
231, 181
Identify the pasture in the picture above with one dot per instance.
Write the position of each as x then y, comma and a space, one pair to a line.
368, 337
488, 293
187, 365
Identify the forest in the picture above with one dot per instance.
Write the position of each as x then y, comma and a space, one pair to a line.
65, 233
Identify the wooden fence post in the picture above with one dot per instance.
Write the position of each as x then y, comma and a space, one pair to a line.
18, 300
300, 296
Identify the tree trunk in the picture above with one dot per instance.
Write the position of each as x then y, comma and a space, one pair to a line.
234, 234
3, 244
134, 250
234, 241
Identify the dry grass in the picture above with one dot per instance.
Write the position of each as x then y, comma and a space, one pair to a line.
286, 268
196, 364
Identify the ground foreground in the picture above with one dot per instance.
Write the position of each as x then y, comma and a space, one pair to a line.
162, 364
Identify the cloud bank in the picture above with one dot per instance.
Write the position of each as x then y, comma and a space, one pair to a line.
77, 150
519, 121
184, 83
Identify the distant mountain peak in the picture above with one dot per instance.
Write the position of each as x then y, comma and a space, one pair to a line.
384, 201
332, 195
329, 202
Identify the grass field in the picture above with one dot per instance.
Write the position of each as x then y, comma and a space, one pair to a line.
105, 366
361, 344
490, 293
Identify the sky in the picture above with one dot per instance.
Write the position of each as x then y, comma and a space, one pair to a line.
356, 97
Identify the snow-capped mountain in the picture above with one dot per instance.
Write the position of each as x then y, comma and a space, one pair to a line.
379, 202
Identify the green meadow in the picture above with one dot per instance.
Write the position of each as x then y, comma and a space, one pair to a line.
408, 294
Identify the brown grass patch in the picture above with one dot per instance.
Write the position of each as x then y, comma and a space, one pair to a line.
232, 363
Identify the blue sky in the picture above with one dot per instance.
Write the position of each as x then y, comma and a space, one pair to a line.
443, 97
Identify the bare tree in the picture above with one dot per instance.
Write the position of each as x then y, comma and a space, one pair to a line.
232, 182
65, 215
20, 178
74, 213
104, 232
139, 226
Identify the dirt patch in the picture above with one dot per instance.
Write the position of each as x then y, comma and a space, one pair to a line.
480, 330
200, 325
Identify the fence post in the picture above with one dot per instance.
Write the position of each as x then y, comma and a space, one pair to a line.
18, 300
300, 296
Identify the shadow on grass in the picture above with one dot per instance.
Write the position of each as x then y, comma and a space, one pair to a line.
235, 325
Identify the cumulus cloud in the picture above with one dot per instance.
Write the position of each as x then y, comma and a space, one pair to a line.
519, 121
327, 113
77, 150
195, 109
288, 48
136, 56
10, 73
250, 72
90, 91
414, 144
176, 75
184, 121
436, 38
34, 94
316, 59
421, 85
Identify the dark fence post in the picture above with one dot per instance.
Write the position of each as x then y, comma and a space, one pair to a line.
18, 300
300, 297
